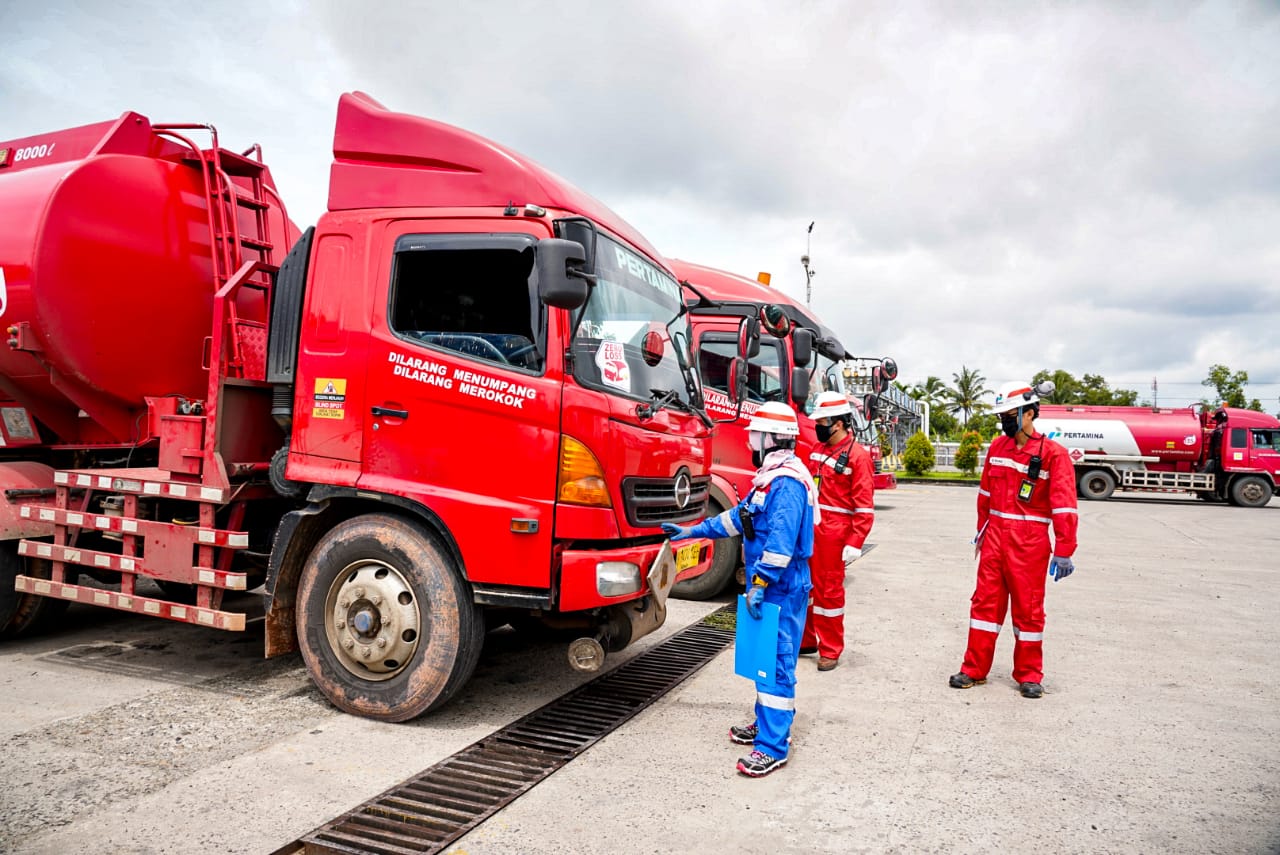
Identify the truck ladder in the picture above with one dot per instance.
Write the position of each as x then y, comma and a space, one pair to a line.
156, 549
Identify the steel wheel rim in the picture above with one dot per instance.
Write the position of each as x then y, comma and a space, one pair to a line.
372, 620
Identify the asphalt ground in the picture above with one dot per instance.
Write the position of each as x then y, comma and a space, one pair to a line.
1159, 730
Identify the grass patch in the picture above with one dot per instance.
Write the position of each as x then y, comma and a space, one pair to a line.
725, 617
941, 476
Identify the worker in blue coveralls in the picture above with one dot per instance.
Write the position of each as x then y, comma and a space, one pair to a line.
776, 522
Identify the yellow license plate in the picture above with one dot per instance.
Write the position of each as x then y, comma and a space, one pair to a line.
687, 556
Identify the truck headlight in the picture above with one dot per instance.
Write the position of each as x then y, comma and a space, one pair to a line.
616, 578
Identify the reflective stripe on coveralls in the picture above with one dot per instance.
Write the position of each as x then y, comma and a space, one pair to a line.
1015, 552
782, 519
847, 498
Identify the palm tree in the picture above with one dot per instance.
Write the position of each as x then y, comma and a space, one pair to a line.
932, 391
966, 395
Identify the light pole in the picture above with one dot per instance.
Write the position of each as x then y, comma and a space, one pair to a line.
808, 272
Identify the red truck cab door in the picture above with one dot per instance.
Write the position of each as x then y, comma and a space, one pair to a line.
462, 397
1265, 455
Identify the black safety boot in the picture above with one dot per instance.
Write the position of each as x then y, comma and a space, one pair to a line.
759, 764
808, 651
743, 735
1031, 690
964, 681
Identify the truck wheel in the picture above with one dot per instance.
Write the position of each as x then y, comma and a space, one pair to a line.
1096, 485
1251, 491
25, 614
726, 554
386, 623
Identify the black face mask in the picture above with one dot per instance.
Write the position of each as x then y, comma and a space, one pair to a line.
1010, 423
824, 432
757, 458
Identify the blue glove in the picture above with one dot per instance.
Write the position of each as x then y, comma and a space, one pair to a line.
1061, 568
755, 596
676, 532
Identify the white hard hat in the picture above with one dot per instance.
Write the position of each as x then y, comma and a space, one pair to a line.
829, 405
1013, 395
775, 417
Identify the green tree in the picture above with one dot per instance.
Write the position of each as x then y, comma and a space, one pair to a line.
942, 424
1092, 389
986, 425
934, 393
967, 393
1066, 387
967, 453
918, 456
1229, 386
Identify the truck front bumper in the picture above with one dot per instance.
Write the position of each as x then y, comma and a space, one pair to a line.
605, 577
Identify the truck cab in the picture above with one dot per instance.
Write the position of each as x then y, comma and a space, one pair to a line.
793, 368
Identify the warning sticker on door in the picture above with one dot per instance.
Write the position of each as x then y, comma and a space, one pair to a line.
330, 398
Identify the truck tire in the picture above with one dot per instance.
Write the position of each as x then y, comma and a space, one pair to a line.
386, 623
25, 614
1096, 485
726, 554
1250, 491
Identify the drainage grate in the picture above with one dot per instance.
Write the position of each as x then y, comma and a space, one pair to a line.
430, 811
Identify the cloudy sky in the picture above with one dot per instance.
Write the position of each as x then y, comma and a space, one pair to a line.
1007, 186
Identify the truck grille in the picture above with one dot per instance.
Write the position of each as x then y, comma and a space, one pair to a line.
650, 501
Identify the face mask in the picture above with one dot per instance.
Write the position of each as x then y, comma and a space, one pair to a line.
1010, 422
824, 432
760, 445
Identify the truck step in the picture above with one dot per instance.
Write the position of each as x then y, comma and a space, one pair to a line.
142, 482
214, 618
130, 564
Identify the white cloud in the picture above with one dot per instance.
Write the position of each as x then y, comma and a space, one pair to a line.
1012, 186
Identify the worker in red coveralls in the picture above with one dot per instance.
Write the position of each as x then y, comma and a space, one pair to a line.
1028, 486
845, 477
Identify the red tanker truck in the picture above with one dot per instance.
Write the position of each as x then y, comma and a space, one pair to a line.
465, 395
793, 368
1225, 453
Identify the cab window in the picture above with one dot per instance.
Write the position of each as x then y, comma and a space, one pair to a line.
470, 294
764, 372
1265, 439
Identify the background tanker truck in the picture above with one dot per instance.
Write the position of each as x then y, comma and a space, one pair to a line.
1224, 453
793, 368
466, 394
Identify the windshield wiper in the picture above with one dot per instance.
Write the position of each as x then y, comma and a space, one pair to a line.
661, 398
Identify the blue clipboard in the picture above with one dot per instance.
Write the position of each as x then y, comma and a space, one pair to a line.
755, 654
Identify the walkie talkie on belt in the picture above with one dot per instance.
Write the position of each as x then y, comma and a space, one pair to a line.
744, 522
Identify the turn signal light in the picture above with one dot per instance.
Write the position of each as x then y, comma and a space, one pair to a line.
581, 476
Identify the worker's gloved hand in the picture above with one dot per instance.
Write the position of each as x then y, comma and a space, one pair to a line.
1061, 568
849, 555
676, 532
755, 596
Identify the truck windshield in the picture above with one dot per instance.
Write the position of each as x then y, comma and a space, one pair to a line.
631, 299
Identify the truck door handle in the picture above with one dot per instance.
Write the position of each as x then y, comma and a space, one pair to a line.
387, 411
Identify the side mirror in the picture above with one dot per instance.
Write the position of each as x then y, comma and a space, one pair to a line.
799, 386
889, 369
878, 383
774, 320
563, 282
749, 338
802, 346
1045, 388
869, 407
651, 348
738, 380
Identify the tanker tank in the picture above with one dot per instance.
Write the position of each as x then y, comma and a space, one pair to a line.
1168, 437
107, 273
